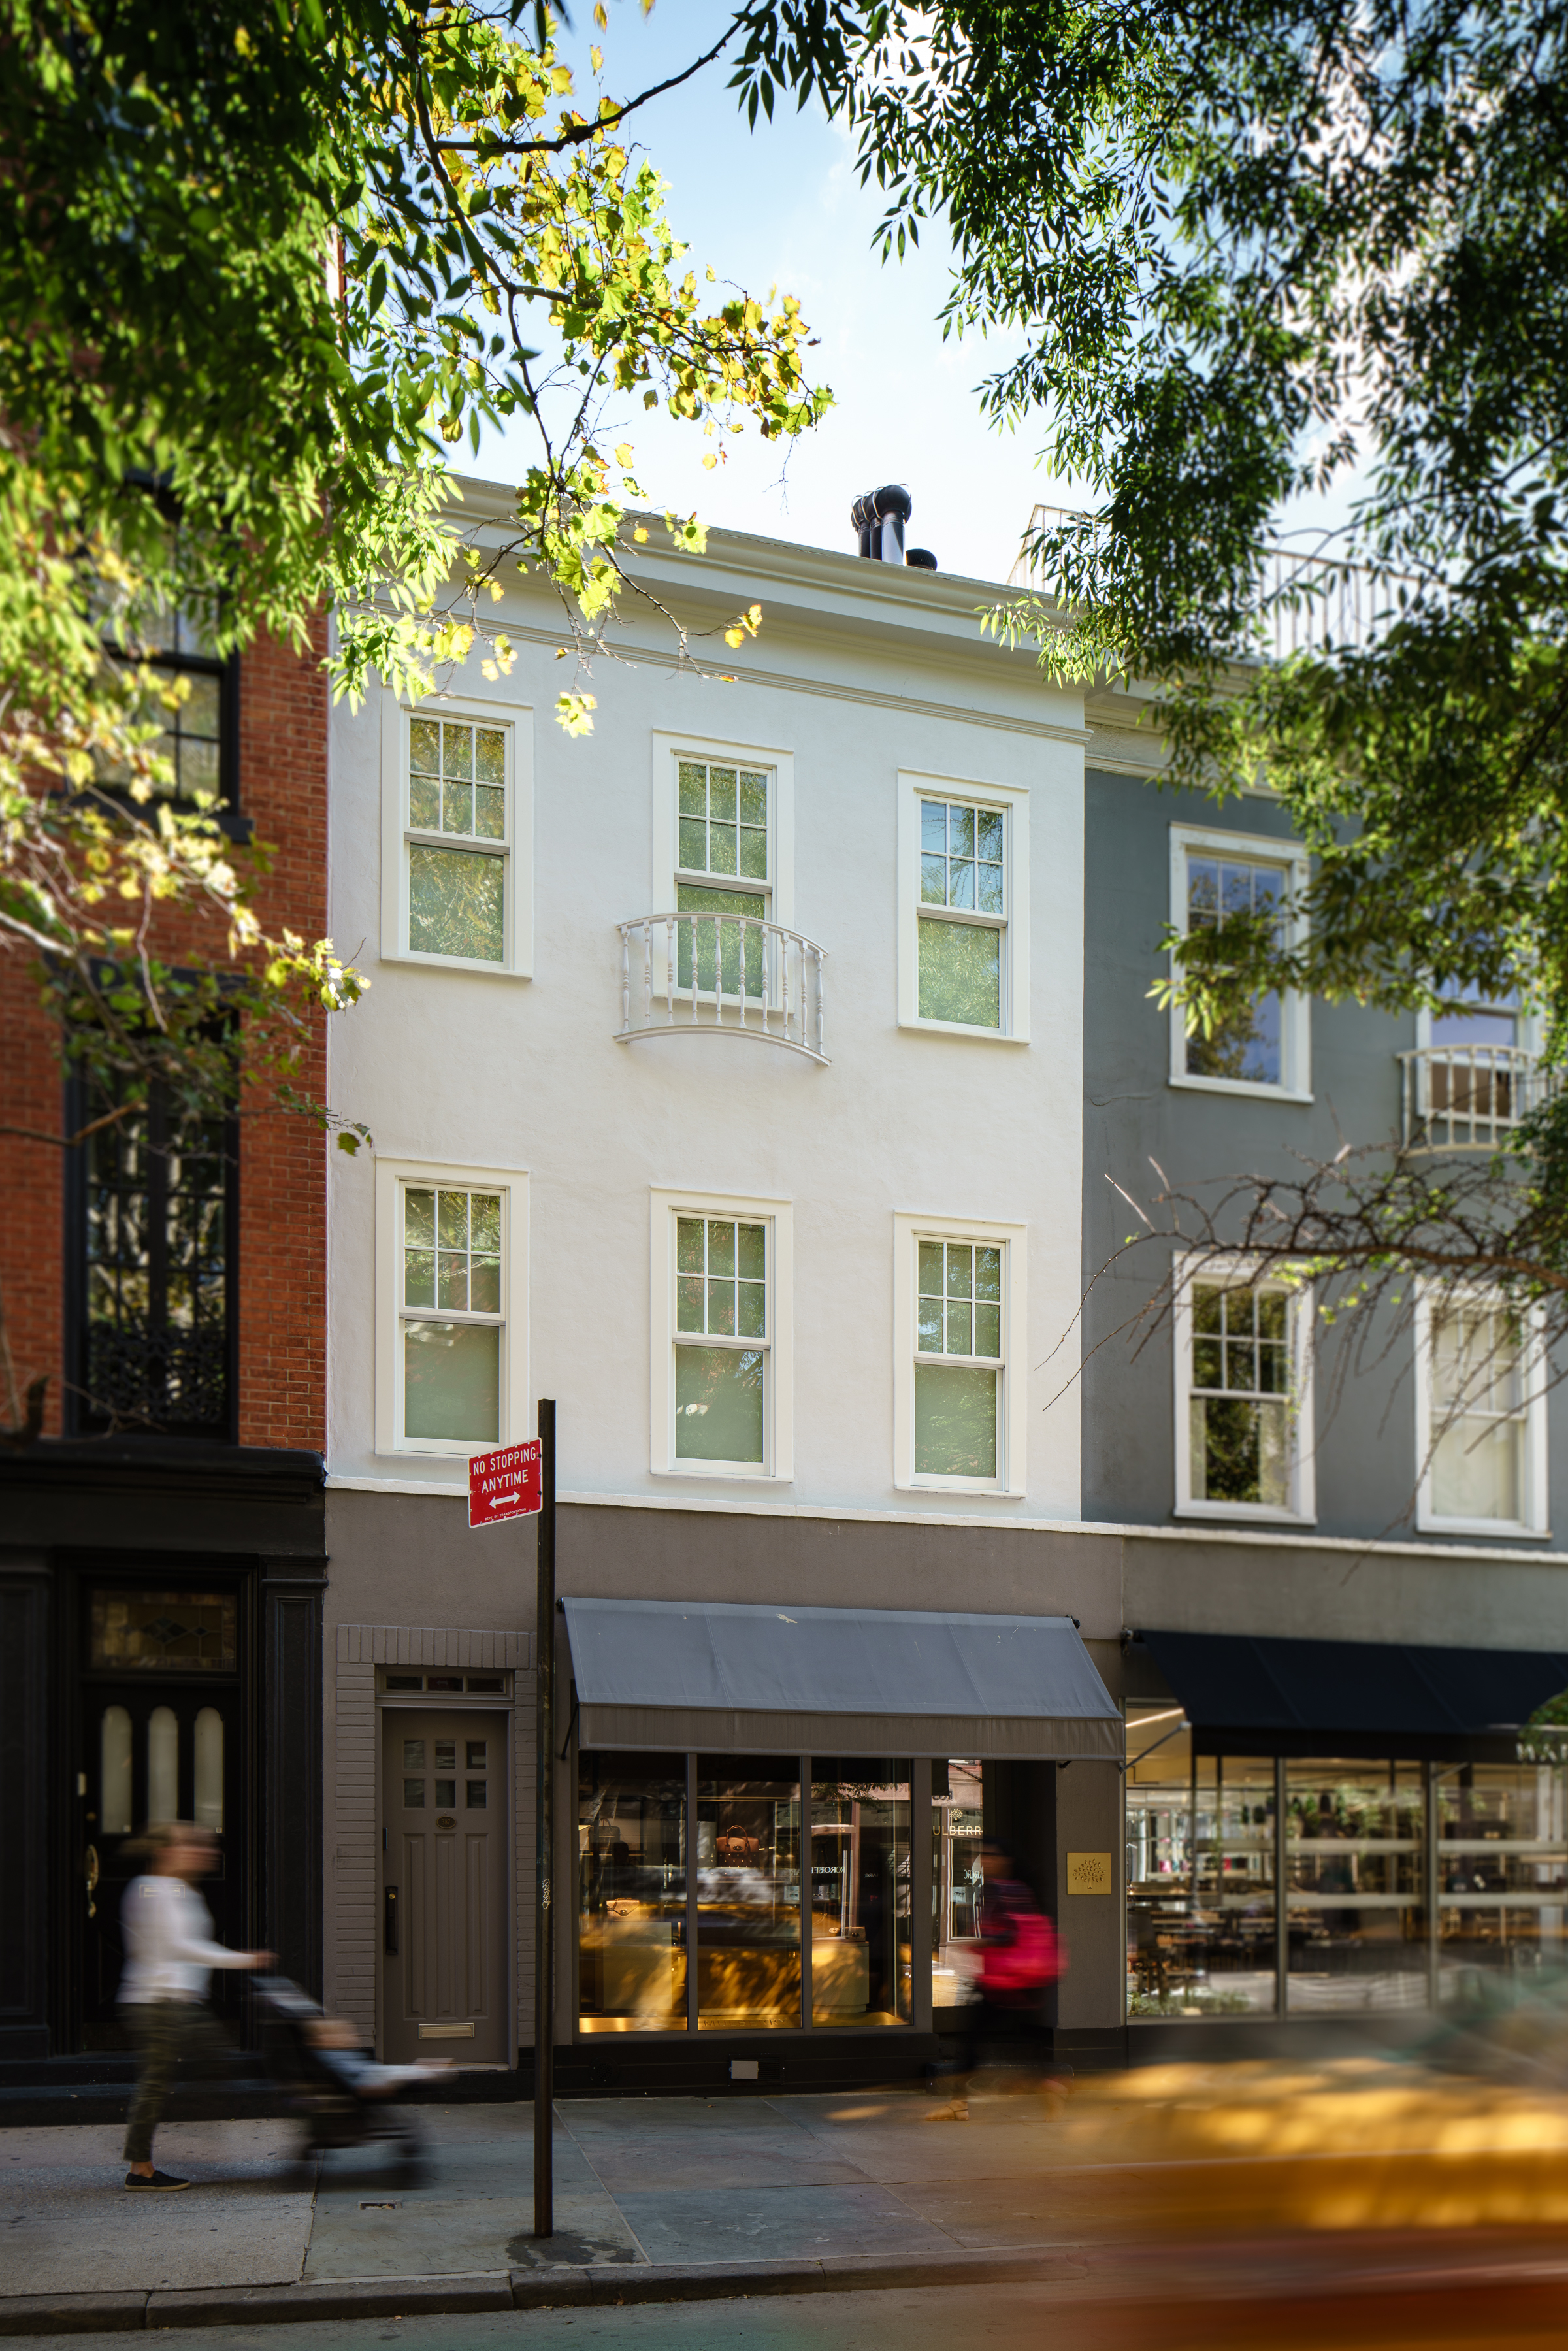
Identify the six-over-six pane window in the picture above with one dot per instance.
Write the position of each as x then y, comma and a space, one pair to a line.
721, 869
958, 1358
456, 839
963, 913
721, 1340
1239, 1409
450, 1314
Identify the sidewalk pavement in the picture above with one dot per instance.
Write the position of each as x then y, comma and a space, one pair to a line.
656, 2199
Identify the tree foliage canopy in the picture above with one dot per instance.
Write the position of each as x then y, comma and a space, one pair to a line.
260, 271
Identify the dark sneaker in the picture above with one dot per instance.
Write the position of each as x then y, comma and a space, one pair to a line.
164, 2180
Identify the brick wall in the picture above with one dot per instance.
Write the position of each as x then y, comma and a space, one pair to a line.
282, 1234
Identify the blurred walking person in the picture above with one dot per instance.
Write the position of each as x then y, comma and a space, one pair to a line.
169, 1953
1018, 1959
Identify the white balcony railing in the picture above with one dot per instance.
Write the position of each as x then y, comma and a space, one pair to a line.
723, 975
1454, 1095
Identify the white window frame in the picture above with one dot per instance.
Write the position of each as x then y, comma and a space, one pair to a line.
776, 904
394, 1177
516, 847
1430, 1298
1240, 1272
1295, 1009
1013, 1406
1013, 802
776, 1466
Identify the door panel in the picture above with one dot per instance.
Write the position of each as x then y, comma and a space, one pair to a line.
444, 1989
153, 1749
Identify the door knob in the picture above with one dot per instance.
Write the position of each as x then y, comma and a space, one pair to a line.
90, 1871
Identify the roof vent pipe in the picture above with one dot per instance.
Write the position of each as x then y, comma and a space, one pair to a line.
880, 518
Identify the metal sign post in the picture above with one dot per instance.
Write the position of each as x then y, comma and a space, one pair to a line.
544, 1913
517, 1481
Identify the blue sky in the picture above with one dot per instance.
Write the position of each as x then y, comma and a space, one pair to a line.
782, 205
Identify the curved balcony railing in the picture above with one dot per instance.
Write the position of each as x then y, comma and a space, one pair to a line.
1457, 1095
725, 975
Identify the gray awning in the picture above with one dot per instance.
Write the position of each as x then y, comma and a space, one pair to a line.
728, 1677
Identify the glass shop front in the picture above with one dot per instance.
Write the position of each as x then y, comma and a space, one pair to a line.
1298, 1886
789, 1880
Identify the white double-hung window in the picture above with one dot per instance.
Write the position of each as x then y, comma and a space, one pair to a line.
722, 854
963, 947
1481, 1417
452, 1334
960, 1414
721, 1336
457, 823
1243, 1395
1264, 1048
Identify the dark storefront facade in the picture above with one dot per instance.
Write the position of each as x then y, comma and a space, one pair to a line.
160, 1658
1332, 1829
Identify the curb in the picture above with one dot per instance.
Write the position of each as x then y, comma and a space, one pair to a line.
604, 2284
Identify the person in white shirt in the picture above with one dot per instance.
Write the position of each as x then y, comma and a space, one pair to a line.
170, 1954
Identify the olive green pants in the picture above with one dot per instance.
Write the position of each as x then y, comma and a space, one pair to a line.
168, 2033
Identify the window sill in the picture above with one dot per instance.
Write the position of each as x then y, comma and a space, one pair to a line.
958, 1028
454, 963
1245, 1086
1490, 1529
1243, 1514
721, 1473
932, 1485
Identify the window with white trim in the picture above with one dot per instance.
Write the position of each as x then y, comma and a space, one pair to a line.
1482, 1418
450, 1339
723, 866
721, 1369
456, 826
1243, 1395
1265, 1048
959, 1399
964, 911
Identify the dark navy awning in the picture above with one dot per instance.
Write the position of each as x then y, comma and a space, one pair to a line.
1384, 1697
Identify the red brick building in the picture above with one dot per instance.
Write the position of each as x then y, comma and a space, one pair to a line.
162, 1547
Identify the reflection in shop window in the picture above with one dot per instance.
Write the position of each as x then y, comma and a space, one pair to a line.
860, 1967
748, 1891
631, 1893
1201, 1938
1502, 1874
956, 1828
1353, 1885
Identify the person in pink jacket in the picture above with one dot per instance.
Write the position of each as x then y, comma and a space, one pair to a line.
1017, 1957
167, 1930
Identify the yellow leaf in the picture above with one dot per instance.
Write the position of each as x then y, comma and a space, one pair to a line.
641, 535
624, 454
596, 55
734, 637
600, 17
710, 462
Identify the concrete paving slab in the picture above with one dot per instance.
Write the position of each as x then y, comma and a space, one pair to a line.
434, 2237
91, 2240
683, 2226
87, 2155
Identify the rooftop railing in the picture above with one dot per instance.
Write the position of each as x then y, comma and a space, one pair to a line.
722, 975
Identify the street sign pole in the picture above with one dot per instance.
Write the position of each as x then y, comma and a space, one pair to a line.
544, 1911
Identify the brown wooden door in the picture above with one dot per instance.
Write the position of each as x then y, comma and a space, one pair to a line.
443, 1886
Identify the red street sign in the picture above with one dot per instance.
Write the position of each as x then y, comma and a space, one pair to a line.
506, 1484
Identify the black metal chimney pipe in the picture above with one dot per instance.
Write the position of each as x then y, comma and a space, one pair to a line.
880, 518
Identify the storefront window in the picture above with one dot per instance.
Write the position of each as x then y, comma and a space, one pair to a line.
631, 1893
1503, 1872
860, 1970
748, 1892
1355, 1886
1201, 1938
955, 1834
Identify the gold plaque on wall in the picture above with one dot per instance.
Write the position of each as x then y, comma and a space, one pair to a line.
1089, 1873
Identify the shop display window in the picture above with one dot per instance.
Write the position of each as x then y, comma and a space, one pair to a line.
957, 1829
861, 1914
1503, 1872
1355, 1886
1201, 1901
748, 1892
631, 1893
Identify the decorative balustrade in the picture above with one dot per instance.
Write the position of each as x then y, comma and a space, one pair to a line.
1455, 1095
723, 976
